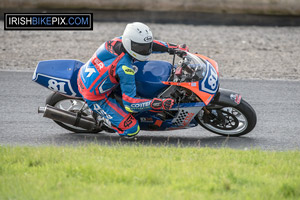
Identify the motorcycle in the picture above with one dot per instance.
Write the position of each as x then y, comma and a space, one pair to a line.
193, 83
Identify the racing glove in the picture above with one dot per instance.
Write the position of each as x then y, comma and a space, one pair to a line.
179, 50
164, 104
183, 47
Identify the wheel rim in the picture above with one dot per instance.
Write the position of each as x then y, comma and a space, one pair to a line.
74, 105
234, 121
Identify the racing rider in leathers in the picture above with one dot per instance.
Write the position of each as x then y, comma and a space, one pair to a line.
112, 65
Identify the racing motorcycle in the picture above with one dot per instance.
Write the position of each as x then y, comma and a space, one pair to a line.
193, 83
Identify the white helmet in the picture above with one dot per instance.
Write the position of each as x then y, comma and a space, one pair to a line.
137, 39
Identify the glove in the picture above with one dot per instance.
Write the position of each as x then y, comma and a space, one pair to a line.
165, 104
178, 52
168, 103
183, 47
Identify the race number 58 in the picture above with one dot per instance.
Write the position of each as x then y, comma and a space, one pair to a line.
56, 86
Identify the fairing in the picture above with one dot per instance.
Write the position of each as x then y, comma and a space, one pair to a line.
206, 87
59, 76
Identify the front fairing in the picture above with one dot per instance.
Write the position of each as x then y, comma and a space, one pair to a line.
209, 84
205, 86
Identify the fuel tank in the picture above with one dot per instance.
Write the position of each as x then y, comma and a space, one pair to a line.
149, 77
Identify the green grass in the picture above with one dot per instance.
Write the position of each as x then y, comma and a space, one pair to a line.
141, 172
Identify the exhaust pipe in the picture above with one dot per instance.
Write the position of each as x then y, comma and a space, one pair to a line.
75, 119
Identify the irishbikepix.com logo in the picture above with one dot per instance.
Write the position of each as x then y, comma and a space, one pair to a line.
48, 21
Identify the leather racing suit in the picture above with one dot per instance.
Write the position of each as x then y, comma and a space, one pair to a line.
109, 67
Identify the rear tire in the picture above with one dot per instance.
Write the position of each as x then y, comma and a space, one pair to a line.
70, 104
228, 120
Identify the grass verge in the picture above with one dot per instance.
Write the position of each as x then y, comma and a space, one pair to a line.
142, 172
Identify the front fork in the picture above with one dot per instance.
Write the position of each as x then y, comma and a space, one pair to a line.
223, 97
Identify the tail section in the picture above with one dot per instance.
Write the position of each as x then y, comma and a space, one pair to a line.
58, 75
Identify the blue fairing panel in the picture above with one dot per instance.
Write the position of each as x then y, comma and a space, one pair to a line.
58, 75
149, 77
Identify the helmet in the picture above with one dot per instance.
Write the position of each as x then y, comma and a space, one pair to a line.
137, 39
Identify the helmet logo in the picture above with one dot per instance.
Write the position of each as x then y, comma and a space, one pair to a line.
148, 39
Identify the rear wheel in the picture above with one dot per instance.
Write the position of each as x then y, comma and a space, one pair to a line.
72, 105
227, 120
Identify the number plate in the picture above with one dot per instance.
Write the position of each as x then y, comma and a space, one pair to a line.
56, 84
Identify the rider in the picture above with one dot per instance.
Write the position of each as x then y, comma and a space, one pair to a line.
110, 66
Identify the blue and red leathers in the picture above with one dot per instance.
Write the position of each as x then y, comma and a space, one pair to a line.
109, 67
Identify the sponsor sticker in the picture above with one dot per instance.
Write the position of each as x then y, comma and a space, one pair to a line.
140, 105
146, 119
128, 70
129, 121
188, 118
236, 98
97, 62
101, 112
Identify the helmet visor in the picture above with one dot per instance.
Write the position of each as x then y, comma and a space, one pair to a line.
144, 49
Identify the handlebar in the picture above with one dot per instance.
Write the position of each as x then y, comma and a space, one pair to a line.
177, 52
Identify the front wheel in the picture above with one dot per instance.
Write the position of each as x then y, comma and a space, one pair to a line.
228, 120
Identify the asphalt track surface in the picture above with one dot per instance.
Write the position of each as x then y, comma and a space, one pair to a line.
276, 103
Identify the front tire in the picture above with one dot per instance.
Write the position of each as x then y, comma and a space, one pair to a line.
228, 120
